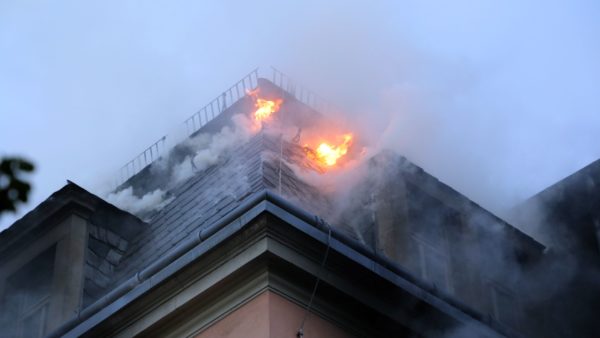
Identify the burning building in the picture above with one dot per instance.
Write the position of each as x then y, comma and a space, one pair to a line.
234, 233
566, 217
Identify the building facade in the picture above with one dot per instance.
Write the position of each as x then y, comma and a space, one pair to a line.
249, 244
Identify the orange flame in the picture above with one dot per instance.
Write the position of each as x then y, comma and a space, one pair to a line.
327, 154
264, 108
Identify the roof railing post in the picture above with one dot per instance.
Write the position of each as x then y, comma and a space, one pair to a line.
223, 105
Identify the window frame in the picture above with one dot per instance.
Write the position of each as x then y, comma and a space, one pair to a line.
494, 289
426, 246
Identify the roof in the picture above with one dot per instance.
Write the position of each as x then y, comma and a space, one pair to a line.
567, 212
117, 250
68, 199
111, 230
213, 193
266, 162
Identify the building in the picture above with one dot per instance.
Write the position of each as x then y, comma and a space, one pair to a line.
245, 244
566, 216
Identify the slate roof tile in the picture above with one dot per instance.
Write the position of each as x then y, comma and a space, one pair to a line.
261, 163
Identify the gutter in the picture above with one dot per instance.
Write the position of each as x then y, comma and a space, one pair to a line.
205, 239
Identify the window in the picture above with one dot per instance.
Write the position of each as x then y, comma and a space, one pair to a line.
505, 307
434, 266
428, 217
27, 296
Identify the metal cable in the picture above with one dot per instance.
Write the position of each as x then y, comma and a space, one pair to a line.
280, 157
300, 332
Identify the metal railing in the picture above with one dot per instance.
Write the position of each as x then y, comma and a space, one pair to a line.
299, 92
216, 107
139, 162
192, 124
219, 104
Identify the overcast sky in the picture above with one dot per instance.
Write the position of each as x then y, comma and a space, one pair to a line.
498, 99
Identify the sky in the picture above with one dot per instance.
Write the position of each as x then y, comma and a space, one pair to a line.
498, 99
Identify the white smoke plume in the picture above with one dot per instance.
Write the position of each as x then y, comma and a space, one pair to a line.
126, 200
210, 148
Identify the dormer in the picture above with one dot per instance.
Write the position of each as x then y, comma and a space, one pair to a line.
52, 261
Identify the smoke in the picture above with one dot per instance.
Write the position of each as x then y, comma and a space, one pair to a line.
421, 213
210, 147
126, 200
531, 216
199, 152
481, 117
470, 106
496, 100
499, 91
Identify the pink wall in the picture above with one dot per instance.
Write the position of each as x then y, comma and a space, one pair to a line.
270, 315
285, 318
